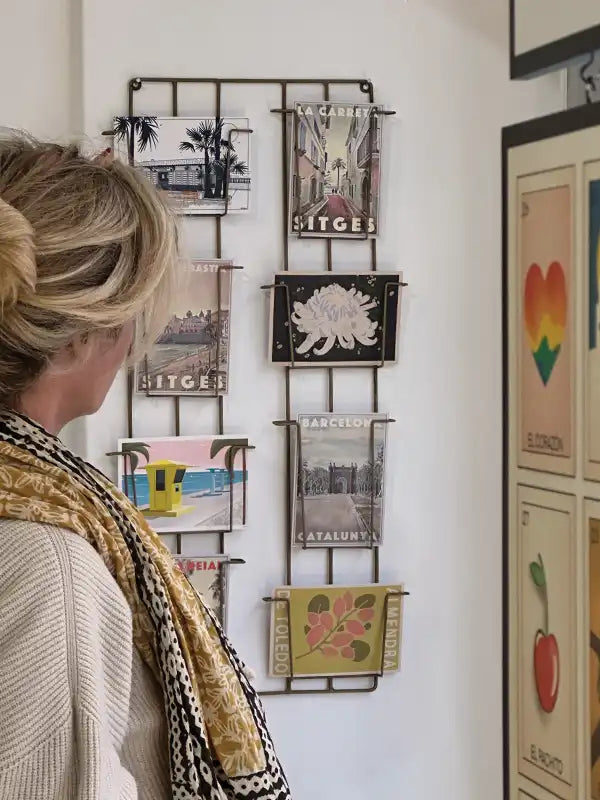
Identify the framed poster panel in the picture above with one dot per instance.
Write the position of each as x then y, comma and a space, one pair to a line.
560, 150
545, 305
546, 640
545, 34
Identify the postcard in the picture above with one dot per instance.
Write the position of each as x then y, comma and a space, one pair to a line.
327, 631
201, 163
186, 483
334, 319
191, 356
335, 170
208, 576
339, 480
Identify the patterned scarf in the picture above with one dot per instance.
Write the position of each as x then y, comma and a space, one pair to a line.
219, 746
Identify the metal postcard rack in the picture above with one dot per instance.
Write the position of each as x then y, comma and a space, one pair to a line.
366, 87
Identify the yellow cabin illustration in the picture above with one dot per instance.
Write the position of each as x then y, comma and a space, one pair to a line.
166, 481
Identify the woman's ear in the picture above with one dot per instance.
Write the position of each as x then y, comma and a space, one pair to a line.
78, 350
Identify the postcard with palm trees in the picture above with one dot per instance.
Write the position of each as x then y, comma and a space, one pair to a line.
202, 164
329, 631
186, 484
208, 576
335, 319
339, 471
335, 170
191, 356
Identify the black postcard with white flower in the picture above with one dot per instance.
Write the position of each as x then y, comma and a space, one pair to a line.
335, 319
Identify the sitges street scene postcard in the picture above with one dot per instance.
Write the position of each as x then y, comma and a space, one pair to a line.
202, 164
335, 170
191, 356
339, 480
185, 484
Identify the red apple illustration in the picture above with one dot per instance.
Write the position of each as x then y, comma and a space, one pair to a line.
546, 663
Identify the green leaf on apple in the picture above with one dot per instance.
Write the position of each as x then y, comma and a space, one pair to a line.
536, 568
319, 604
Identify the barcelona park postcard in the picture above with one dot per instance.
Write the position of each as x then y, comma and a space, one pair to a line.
339, 480
186, 484
335, 170
202, 164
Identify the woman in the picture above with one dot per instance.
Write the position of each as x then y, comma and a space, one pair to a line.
115, 681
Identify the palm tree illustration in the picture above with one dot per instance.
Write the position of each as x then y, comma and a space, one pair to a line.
219, 163
144, 130
130, 453
338, 164
233, 166
202, 140
231, 447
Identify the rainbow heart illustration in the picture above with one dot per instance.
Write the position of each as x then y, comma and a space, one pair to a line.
545, 315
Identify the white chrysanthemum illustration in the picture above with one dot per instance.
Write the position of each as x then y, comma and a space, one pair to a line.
334, 313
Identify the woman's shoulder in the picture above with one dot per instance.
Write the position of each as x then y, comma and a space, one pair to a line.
55, 560
65, 641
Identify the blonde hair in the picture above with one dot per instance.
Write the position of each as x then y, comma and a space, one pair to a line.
86, 245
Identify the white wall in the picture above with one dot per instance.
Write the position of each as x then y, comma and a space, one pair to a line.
39, 64
434, 730
540, 22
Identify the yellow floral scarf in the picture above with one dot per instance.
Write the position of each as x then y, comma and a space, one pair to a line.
218, 741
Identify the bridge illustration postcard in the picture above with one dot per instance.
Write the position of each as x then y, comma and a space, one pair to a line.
335, 170
339, 482
186, 484
334, 319
335, 630
208, 576
192, 353
202, 164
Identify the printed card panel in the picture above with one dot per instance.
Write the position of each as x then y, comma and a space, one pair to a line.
546, 640
340, 480
191, 355
331, 319
335, 631
201, 164
545, 325
592, 321
335, 170
208, 577
592, 529
186, 484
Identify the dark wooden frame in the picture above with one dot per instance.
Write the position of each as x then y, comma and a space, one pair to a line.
553, 55
535, 130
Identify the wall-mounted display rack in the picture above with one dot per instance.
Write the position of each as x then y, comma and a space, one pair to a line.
288, 137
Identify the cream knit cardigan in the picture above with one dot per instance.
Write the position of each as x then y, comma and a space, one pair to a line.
81, 717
